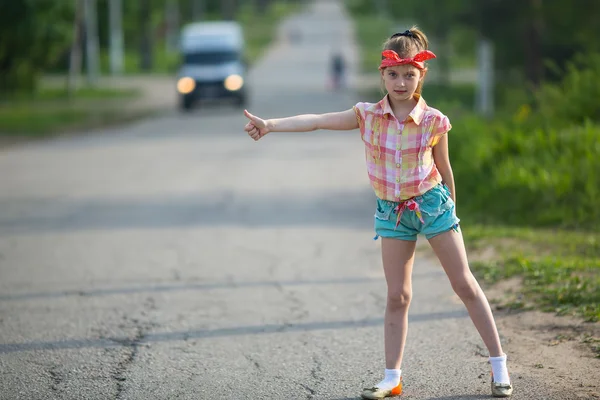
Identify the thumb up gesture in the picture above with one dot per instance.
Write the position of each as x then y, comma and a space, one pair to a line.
256, 127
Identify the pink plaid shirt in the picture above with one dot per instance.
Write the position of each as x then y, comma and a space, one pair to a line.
399, 153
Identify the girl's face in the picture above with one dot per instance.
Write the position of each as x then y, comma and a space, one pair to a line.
401, 81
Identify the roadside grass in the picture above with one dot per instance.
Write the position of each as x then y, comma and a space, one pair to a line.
559, 269
51, 110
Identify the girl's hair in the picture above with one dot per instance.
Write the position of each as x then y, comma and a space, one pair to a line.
407, 44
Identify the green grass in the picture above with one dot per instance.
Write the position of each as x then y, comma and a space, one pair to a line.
560, 269
50, 110
54, 93
30, 123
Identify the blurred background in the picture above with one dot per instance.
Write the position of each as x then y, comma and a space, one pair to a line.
520, 81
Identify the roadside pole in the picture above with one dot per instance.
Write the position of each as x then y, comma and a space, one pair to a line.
91, 37
116, 36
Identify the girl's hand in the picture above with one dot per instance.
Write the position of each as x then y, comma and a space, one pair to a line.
256, 127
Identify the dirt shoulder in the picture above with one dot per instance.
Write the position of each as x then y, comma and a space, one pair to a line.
556, 349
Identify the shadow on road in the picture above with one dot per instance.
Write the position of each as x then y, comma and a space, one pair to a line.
462, 397
220, 332
352, 209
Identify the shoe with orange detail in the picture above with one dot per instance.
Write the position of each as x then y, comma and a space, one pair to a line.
376, 393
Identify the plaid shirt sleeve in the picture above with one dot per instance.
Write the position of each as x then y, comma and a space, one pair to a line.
441, 126
359, 110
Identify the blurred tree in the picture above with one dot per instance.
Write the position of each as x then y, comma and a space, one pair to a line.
262, 5
75, 53
145, 35
435, 18
33, 34
198, 9
527, 35
228, 9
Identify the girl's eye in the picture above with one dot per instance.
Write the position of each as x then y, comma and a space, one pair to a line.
392, 74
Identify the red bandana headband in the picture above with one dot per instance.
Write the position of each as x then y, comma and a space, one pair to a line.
392, 59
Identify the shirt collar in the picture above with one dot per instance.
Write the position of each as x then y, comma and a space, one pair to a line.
416, 114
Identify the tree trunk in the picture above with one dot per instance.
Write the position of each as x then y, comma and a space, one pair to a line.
146, 36
533, 46
116, 36
172, 25
75, 56
198, 10
91, 38
262, 5
228, 9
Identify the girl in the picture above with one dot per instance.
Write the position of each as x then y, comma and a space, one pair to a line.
406, 146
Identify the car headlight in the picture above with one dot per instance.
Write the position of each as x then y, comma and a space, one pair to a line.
186, 85
233, 83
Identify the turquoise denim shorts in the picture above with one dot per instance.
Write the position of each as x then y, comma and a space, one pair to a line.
429, 214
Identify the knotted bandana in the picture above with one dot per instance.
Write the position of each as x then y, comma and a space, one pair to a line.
392, 59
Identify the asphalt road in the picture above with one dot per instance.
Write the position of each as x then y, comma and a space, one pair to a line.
175, 258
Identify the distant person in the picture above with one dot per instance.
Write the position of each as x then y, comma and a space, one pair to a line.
406, 148
338, 70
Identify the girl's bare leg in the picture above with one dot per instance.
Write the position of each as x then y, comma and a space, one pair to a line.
450, 250
398, 257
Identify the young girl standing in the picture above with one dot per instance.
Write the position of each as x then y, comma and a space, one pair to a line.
406, 148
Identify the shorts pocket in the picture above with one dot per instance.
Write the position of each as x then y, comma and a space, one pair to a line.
436, 201
384, 210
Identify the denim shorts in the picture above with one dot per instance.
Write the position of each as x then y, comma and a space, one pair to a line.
429, 214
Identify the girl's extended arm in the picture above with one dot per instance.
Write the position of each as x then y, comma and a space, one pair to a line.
258, 127
442, 162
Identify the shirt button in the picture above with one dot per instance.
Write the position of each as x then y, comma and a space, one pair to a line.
398, 147
397, 179
398, 165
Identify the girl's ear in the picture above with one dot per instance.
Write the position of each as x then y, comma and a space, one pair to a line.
423, 73
381, 71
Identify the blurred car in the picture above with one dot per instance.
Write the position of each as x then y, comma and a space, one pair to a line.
213, 64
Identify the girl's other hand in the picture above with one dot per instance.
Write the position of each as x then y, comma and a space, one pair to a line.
256, 127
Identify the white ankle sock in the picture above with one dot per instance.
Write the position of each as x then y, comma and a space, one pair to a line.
391, 380
499, 369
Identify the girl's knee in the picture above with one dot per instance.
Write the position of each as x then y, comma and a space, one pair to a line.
398, 299
466, 288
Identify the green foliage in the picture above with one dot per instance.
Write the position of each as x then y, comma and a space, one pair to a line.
51, 110
574, 99
527, 177
540, 167
33, 33
523, 37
